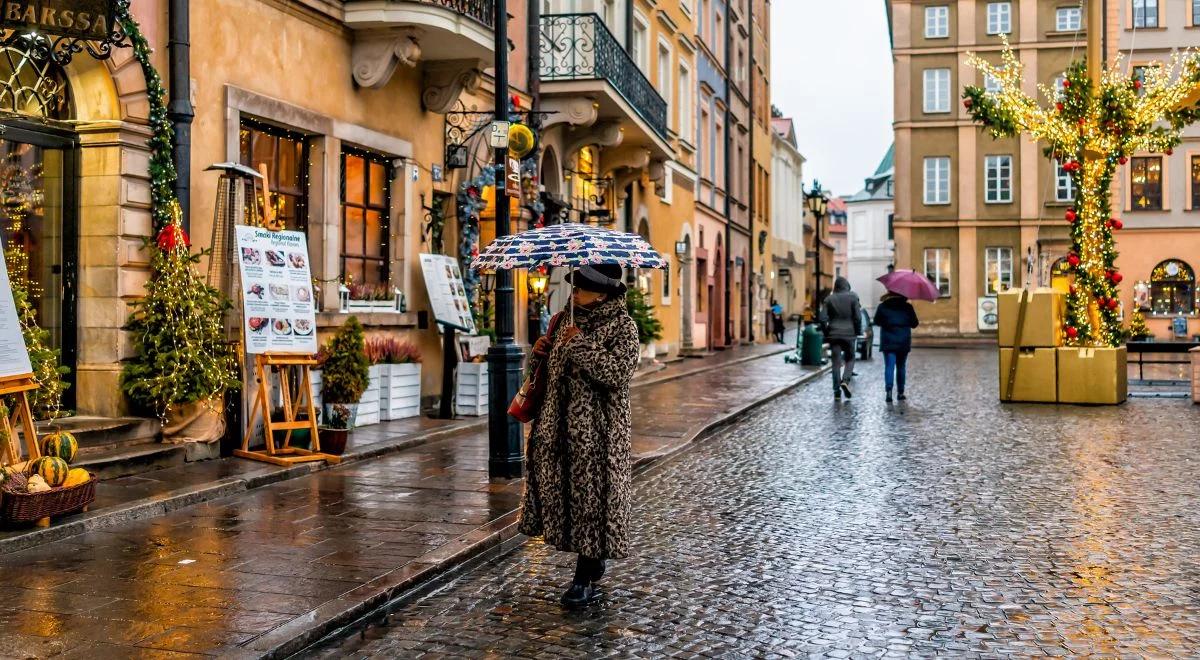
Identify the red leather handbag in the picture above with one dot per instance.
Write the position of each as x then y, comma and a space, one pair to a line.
527, 403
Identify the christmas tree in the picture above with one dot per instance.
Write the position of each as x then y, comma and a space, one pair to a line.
1137, 326
22, 199
1091, 130
182, 356
649, 327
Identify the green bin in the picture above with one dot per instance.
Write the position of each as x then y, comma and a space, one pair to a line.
812, 345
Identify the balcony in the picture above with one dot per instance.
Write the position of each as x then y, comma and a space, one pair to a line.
581, 57
453, 38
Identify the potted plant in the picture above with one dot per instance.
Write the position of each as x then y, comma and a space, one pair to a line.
649, 328
400, 396
344, 377
371, 298
368, 404
182, 365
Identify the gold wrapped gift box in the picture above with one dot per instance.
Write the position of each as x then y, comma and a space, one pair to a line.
1035, 376
1092, 375
1043, 318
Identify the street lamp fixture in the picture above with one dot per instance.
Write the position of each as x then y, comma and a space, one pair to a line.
538, 280
817, 202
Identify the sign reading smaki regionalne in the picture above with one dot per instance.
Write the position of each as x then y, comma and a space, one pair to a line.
85, 19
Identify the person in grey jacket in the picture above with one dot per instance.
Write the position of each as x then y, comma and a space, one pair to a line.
841, 315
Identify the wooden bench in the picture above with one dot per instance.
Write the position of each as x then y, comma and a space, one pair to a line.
1141, 348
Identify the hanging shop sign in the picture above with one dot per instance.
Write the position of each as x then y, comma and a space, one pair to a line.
447, 294
14, 358
277, 295
512, 177
83, 19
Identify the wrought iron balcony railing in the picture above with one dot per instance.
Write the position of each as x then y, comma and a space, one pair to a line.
580, 47
482, 11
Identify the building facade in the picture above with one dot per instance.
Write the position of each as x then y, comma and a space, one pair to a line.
1159, 194
871, 245
976, 215
838, 221
789, 252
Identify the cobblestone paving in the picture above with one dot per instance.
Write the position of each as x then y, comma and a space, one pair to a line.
947, 525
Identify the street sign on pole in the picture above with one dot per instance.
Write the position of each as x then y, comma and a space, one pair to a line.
498, 138
512, 177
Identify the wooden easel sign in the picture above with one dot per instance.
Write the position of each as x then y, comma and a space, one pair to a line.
280, 327
16, 379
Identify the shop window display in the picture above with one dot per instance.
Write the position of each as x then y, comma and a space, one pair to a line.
1172, 288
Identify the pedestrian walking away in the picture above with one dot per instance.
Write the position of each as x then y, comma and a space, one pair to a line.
777, 321
841, 317
577, 496
896, 319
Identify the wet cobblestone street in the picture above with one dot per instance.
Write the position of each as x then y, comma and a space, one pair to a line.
949, 524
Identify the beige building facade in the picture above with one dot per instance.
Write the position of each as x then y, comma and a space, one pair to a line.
976, 214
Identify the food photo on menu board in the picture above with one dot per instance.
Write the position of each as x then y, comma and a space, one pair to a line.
277, 295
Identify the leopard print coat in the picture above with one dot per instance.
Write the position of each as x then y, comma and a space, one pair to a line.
578, 489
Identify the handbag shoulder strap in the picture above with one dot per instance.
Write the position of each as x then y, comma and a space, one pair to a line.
554, 323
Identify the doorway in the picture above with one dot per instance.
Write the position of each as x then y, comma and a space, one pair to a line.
39, 226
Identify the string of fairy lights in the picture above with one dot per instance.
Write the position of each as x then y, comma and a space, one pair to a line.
1091, 132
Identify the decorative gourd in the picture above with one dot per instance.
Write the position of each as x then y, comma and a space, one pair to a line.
76, 476
61, 444
52, 469
37, 484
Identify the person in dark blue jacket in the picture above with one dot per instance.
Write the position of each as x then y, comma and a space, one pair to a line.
896, 319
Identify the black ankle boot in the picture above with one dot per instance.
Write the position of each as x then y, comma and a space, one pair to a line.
597, 569
579, 595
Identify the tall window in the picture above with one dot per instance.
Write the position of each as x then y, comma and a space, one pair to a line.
1195, 183
937, 90
719, 35
685, 104
997, 175
997, 270
1172, 288
937, 22
366, 188
1145, 179
664, 72
937, 180
891, 226
999, 17
1064, 187
285, 153
1145, 13
706, 151
1068, 19
640, 45
937, 269
1195, 13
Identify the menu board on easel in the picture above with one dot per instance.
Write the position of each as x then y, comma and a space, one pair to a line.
14, 357
277, 295
447, 294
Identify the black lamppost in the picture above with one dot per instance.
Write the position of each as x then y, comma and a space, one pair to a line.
817, 202
505, 435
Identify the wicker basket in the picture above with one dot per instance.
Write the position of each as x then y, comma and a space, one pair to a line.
30, 507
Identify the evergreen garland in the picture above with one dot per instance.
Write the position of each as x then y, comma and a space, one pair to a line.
162, 140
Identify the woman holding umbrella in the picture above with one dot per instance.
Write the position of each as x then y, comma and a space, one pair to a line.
896, 319
577, 496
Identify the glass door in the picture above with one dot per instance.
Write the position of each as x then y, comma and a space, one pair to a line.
37, 222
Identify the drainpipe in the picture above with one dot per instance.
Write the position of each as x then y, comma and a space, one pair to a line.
533, 41
180, 109
728, 256
753, 179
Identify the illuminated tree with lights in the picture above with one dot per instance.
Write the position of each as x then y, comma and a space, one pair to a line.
1090, 132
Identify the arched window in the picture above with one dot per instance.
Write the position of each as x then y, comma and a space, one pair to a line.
32, 86
1172, 288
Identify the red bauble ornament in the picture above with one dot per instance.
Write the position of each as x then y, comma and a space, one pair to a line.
1059, 106
1112, 303
1116, 223
1122, 160
1066, 83
516, 102
967, 103
171, 237
1137, 84
1170, 152
1071, 216
1116, 277
472, 191
1072, 332
1073, 259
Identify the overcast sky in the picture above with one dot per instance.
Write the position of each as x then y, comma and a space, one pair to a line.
831, 70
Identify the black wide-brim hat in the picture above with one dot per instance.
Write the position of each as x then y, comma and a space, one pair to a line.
601, 278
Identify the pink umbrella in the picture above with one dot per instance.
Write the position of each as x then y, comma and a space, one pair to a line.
910, 284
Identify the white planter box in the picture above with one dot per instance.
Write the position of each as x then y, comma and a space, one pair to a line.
368, 405
315, 377
400, 393
368, 306
471, 397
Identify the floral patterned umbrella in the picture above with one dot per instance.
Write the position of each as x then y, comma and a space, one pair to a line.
568, 245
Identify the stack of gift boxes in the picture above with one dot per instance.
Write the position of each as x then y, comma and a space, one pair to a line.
1045, 371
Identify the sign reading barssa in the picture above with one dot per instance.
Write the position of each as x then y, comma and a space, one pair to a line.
86, 19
